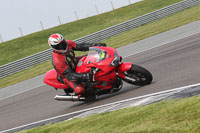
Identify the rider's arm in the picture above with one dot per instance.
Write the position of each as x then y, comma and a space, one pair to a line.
85, 46
73, 76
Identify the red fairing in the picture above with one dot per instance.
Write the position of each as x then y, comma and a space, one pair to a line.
106, 75
105, 81
122, 68
51, 79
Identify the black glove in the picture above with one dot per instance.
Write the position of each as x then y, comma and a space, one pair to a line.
100, 44
78, 76
84, 46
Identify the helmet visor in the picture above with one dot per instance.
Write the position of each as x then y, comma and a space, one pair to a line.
61, 46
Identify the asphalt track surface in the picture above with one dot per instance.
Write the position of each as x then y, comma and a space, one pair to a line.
173, 65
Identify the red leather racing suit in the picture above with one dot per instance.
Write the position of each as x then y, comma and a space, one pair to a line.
63, 65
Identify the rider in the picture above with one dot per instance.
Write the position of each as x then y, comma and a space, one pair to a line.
64, 61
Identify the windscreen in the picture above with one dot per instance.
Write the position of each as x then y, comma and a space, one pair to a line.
95, 55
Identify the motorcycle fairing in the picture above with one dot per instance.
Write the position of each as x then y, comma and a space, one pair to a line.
123, 67
101, 58
51, 79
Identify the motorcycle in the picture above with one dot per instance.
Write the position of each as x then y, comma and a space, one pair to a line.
107, 73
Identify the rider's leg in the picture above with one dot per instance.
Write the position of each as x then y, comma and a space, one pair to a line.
77, 86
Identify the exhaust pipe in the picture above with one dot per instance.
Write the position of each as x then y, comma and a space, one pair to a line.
68, 98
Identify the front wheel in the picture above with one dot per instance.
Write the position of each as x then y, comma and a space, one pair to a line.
138, 75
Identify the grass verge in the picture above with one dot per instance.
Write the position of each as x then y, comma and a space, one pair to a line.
180, 115
176, 20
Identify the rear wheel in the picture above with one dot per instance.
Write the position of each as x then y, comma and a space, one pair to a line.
138, 75
70, 92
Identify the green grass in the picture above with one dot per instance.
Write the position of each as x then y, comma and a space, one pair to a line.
34, 43
176, 20
172, 116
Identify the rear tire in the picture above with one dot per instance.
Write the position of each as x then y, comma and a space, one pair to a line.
69, 92
138, 75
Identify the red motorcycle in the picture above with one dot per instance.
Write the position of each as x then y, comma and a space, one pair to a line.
106, 70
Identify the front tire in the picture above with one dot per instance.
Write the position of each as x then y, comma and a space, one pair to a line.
138, 75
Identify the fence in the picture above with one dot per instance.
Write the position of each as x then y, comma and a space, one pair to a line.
38, 58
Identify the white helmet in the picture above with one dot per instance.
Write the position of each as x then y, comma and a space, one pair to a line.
58, 43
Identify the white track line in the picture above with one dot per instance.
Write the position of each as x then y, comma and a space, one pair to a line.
118, 102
